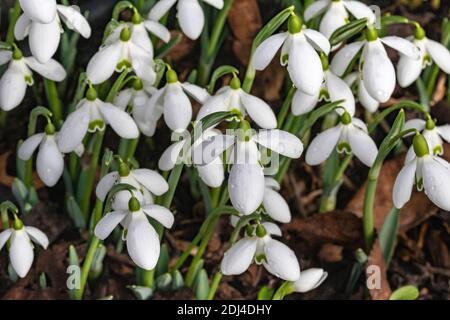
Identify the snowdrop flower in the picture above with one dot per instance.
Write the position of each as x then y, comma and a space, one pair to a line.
408, 70
173, 102
119, 53
92, 114
212, 174
275, 205
336, 15
259, 246
333, 89
233, 98
349, 136
366, 100
44, 37
429, 172
298, 52
246, 180
21, 252
189, 13
138, 97
309, 280
13, 83
43, 11
378, 73
432, 134
141, 238
147, 183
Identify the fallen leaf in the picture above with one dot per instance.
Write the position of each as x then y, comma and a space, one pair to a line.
181, 49
330, 253
377, 282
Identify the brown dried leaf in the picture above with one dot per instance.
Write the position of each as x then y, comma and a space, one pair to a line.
377, 282
181, 49
330, 253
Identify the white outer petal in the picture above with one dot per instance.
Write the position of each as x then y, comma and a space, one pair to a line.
177, 108
238, 258
103, 64
37, 236
335, 17
44, 39
344, 56
191, 18
74, 129
22, 27
105, 184
12, 87
403, 46
362, 145
49, 161
75, 20
322, 145
282, 142
439, 54
276, 206
316, 8
4, 237
43, 11
310, 279
267, 50
160, 214
27, 148
303, 103
317, 40
170, 156
258, 110
119, 120
404, 184
212, 174
199, 94
151, 180
142, 62
369, 103
160, 9
108, 223
218, 4
339, 90
436, 181
359, 10
52, 69
281, 260
158, 30
21, 252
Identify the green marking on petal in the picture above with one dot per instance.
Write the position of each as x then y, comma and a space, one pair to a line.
344, 147
96, 125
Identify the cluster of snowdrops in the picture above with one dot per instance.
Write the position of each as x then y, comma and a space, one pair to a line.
239, 148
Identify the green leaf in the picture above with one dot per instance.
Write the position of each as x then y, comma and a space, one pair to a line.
97, 263
388, 234
218, 73
42, 280
202, 285
177, 280
140, 292
409, 292
388, 20
20, 192
265, 293
163, 262
347, 31
34, 114
164, 281
319, 113
117, 188
75, 213
209, 121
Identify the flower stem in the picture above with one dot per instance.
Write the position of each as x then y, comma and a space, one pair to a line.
53, 100
15, 13
285, 107
214, 285
95, 242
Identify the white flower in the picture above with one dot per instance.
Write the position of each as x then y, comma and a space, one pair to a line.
366, 100
429, 172
212, 174
335, 14
276, 257
138, 98
246, 181
298, 52
349, 136
408, 70
432, 134
333, 89
43, 11
21, 252
173, 102
232, 97
14, 81
378, 73
147, 183
92, 114
309, 280
275, 205
141, 238
44, 37
118, 53
189, 13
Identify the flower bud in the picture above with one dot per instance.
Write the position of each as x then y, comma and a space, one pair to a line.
420, 146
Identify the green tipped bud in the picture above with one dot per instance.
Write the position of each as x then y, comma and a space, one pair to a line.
17, 54
261, 231
171, 76
124, 169
419, 33
324, 60
371, 34
134, 205
346, 118
125, 34
91, 94
295, 24
235, 83
50, 129
420, 146
18, 224
138, 85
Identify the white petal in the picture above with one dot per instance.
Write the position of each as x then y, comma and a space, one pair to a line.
322, 145
276, 207
74, 129
142, 242
444, 132
212, 174
359, 124
22, 27
43, 11
123, 99
197, 93
52, 69
4, 237
238, 258
281, 142
404, 184
151, 180
417, 124
12, 88
281, 260
246, 187
160, 9
75, 20
28, 146
359, 10
177, 108
211, 148
218, 4
369, 103
155, 106
103, 64
44, 40
49, 162
105, 184
108, 223
315, 8
214, 104
190, 17
305, 67
158, 30
142, 62
310, 279
303, 103
139, 36
439, 54
339, 90
258, 111
267, 50
271, 183
37, 236
436, 181
318, 40
378, 72
170, 156
160, 214
335, 17
403, 46
362, 145
21, 252
272, 229
344, 56
119, 120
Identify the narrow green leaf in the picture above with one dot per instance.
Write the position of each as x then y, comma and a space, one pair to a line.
218, 73
177, 280
163, 262
347, 31
202, 285
140, 292
388, 234
119, 7
388, 20
75, 213
265, 293
409, 292
164, 281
